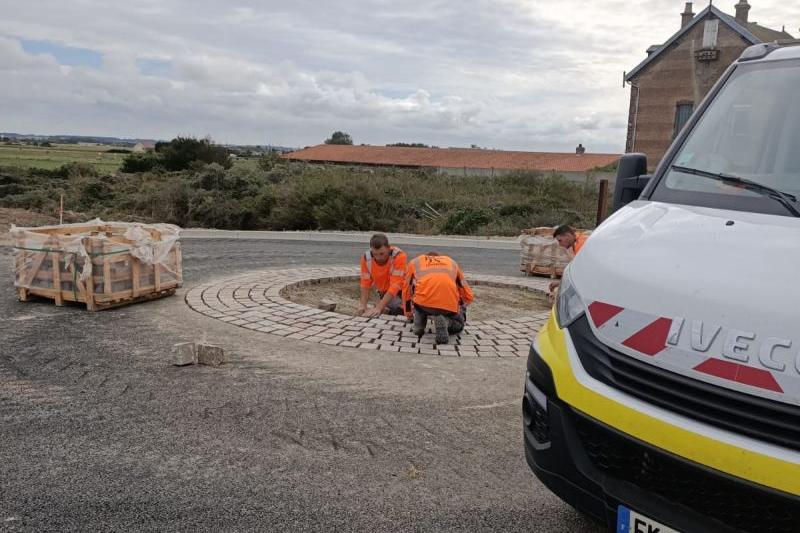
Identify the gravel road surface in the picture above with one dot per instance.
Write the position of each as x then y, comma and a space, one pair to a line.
99, 432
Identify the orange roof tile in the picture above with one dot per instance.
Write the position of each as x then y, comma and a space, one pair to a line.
452, 158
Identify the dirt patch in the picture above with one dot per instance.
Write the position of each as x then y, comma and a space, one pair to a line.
490, 302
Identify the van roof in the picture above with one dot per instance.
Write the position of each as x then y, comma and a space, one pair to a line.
774, 51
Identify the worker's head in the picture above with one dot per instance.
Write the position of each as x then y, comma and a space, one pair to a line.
379, 247
565, 236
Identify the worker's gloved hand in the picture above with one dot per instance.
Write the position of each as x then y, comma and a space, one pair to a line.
372, 312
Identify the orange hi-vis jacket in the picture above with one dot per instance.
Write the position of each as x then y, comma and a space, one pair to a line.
388, 277
580, 240
437, 282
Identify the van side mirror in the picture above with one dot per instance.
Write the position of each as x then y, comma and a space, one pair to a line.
631, 179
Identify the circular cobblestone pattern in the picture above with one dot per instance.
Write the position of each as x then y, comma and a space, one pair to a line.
254, 301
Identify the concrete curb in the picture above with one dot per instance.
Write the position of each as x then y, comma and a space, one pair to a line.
493, 243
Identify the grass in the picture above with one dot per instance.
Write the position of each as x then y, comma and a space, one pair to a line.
50, 158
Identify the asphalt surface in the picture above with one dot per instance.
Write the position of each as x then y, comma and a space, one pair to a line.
100, 432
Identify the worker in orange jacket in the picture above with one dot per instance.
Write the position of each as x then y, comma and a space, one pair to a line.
383, 267
570, 239
435, 286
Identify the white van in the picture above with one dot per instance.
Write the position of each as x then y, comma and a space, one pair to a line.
664, 393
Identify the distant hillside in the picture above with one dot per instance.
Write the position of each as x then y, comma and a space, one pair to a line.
75, 139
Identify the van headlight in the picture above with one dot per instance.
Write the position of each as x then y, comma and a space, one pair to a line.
569, 306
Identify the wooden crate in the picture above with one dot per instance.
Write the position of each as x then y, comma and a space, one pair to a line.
100, 264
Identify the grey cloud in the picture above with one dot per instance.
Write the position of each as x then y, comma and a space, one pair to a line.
503, 73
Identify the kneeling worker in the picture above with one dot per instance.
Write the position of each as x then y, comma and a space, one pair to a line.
383, 267
435, 286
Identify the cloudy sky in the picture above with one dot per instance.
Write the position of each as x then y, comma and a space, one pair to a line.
509, 74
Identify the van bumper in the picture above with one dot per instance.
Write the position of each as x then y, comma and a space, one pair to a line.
596, 468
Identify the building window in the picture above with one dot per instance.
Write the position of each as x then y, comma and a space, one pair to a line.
710, 31
682, 113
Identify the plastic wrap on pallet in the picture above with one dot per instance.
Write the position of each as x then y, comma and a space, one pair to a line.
541, 254
53, 259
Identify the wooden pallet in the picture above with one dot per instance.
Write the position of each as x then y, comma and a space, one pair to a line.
50, 262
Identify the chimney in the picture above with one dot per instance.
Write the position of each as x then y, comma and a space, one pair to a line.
688, 14
742, 9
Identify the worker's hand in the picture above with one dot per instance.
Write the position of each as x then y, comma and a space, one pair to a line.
361, 310
373, 312
554, 285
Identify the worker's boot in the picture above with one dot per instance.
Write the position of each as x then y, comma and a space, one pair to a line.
441, 323
420, 321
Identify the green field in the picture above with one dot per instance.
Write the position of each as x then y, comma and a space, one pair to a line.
60, 154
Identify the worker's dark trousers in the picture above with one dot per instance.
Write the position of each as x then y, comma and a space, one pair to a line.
395, 306
455, 321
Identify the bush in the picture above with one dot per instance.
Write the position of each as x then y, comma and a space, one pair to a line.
181, 152
75, 170
142, 162
268, 161
292, 196
465, 221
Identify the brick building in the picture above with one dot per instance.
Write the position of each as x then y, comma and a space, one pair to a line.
676, 75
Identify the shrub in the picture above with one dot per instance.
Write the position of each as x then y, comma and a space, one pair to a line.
141, 162
181, 152
75, 170
466, 220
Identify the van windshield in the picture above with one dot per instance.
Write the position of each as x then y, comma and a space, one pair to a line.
751, 130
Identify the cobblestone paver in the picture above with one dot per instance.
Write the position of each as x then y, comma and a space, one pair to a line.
254, 302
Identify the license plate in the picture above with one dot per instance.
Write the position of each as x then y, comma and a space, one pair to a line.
632, 522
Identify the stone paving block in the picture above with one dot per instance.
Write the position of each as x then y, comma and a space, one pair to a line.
384, 342
405, 349
368, 346
349, 344
184, 353
211, 355
332, 342
389, 348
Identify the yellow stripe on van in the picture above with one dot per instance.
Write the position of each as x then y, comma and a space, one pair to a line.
755, 467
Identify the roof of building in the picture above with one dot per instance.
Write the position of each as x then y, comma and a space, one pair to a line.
767, 34
752, 33
453, 158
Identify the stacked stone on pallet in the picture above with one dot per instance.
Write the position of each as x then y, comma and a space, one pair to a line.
541, 255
